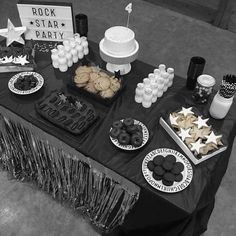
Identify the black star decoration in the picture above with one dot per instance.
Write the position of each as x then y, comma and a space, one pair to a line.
62, 24
31, 22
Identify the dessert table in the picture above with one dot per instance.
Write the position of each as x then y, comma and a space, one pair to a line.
90, 173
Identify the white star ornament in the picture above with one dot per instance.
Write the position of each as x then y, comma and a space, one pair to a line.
12, 33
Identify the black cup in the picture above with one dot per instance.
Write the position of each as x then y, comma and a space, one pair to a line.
196, 67
81, 21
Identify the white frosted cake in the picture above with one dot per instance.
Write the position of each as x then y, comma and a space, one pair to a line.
119, 40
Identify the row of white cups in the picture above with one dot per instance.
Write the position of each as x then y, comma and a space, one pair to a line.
70, 52
154, 86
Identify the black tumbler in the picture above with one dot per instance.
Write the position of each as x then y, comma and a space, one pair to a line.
81, 21
196, 67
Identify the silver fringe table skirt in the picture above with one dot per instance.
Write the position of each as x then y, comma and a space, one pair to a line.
30, 154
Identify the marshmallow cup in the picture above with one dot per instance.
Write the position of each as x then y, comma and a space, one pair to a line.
80, 55
86, 51
63, 68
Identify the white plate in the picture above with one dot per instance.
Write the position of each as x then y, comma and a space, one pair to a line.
131, 147
13, 79
177, 186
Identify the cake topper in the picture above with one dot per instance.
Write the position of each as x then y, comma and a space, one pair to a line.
12, 33
128, 8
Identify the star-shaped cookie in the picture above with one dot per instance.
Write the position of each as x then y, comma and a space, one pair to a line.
186, 111
184, 133
196, 146
200, 133
173, 120
201, 122
212, 138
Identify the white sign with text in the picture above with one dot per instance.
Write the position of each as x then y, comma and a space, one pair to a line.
46, 22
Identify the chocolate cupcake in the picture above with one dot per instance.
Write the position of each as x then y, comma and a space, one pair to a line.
170, 158
178, 177
167, 183
159, 170
156, 177
158, 160
150, 165
178, 167
167, 165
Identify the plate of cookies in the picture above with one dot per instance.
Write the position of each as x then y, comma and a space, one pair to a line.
194, 133
167, 170
129, 134
97, 83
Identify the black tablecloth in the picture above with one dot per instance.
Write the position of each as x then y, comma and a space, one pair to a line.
183, 213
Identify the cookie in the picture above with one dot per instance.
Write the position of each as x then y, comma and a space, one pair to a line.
103, 74
102, 83
93, 76
90, 88
83, 69
95, 69
81, 85
82, 78
106, 93
115, 84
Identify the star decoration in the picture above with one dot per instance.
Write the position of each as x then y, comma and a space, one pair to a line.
186, 111
16, 60
196, 146
173, 120
63, 98
78, 105
212, 138
201, 122
184, 133
6, 59
12, 33
22, 60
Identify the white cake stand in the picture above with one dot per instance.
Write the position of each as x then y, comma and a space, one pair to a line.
118, 62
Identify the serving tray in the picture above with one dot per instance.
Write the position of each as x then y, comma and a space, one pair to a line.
105, 101
68, 112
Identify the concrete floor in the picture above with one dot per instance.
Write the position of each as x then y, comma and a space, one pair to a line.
164, 37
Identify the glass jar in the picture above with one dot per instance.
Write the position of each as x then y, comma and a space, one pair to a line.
220, 106
203, 89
